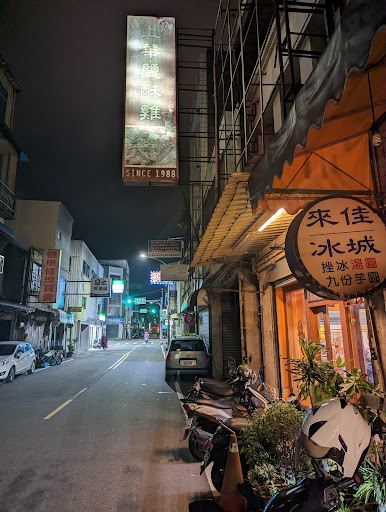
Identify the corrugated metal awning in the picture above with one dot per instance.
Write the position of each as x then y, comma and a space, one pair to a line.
233, 230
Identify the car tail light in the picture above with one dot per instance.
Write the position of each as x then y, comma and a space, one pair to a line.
168, 358
207, 357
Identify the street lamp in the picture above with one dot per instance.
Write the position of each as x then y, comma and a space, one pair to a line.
144, 255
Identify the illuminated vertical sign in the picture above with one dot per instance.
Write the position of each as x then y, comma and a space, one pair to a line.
150, 135
50, 275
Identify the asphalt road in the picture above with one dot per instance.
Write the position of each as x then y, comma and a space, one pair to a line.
97, 433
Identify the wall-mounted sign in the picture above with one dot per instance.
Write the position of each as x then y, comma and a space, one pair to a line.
50, 275
164, 248
115, 320
140, 300
155, 277
150, 139
189, 319
100, 287
174, 272
75, 309
118, 285
336, 248
102, 317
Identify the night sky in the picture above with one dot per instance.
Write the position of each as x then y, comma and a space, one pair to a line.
68, 57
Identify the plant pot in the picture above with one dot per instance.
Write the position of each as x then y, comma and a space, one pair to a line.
70, 354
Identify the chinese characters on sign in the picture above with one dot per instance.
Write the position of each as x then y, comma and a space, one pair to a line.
336, 247
140, 300
150, 145
164, 249
50, 275
100, 287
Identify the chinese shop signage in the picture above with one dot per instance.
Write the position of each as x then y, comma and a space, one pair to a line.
150, 137
100, 287
336, 248
50, 275
164, 248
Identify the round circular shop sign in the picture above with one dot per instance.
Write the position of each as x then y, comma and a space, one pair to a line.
336, 247
189, 319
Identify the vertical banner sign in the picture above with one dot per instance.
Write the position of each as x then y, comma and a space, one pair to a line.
336, 248
150, 136
172, 301
50, 275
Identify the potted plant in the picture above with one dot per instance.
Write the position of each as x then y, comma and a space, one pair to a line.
71, 347
269, 447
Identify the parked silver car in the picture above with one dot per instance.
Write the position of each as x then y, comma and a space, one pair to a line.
187, 355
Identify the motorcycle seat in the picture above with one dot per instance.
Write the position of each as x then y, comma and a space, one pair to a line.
219, 404
216, 389
237, 424
214, 382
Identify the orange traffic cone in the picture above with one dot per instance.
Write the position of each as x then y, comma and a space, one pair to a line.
231, 500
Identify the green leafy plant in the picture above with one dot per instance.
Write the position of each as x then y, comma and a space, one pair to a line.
269, 445
315, 377
71, 345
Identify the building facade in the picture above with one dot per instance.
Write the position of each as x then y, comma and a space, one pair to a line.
299, 115
117, 309
88, 323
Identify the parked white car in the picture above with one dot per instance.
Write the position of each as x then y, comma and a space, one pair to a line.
15, 357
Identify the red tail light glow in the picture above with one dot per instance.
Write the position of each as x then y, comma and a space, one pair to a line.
206, 445
206, 357
168, 358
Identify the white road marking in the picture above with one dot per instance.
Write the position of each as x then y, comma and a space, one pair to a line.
163, 351
64, 405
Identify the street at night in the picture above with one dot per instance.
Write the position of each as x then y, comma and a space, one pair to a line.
192, 256
112, 448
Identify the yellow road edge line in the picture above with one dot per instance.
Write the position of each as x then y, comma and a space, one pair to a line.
109, 368
121, 361
64, 405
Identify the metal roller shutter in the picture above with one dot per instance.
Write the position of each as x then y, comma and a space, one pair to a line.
231, 337
112, 331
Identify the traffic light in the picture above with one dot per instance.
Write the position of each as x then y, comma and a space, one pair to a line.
129, 300
154, 311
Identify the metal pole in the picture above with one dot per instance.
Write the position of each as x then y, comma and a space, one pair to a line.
168, 315
160, 316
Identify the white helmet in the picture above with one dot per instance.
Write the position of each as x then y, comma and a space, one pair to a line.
335, 429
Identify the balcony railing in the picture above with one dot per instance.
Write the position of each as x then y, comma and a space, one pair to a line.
7, 202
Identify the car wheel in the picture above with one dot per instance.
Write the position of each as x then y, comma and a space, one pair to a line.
194, 450
32, 369
11, 375
217, 476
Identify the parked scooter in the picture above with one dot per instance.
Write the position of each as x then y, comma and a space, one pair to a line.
333, 429
50, 357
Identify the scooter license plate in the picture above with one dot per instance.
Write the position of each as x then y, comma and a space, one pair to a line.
188, 423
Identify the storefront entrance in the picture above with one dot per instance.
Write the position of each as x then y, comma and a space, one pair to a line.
341, 326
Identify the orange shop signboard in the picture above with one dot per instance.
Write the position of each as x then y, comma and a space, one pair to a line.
336, 248
50, 275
